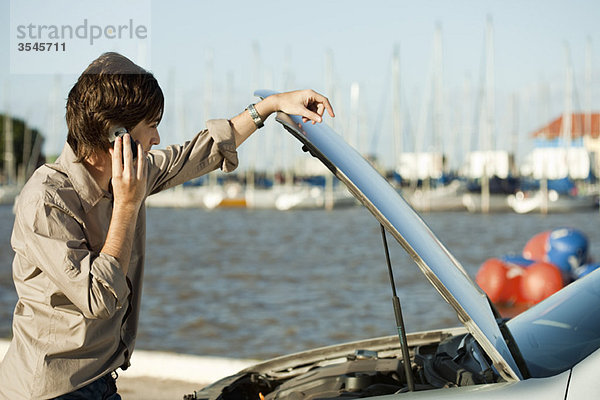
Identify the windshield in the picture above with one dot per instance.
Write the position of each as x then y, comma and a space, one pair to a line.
562, 330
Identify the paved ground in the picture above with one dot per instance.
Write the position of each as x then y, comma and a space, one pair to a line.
155, 375
144, 388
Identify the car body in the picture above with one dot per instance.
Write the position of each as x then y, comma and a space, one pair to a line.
548, 352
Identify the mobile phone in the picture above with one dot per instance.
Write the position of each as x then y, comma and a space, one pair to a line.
119, 132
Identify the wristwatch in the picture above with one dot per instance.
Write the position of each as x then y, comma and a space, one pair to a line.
258, 121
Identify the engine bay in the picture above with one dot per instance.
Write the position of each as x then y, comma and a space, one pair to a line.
454, 361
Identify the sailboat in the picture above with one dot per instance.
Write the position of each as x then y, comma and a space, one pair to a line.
562, 159
437, 191
488, 169
205, 192
523, 203
309, 185
496, 165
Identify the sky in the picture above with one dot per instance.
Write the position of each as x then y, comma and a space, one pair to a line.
224, 50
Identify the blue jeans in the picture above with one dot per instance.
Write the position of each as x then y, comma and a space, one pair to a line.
103, 388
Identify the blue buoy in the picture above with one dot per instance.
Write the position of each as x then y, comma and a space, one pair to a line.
567, 249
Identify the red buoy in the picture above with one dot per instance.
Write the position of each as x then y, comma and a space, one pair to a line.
491, 277
512, 289
537, 247
500, 281
539, 281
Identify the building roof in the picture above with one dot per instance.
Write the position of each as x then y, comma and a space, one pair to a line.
580, 126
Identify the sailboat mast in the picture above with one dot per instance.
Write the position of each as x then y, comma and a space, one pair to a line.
544, 101
287, 85
514, 107
588, 87
567, 120
396, 106
488, 112
438, 96
419, 140
208, 102
354, 113
269, 139
330, 90
254, 150
588, 101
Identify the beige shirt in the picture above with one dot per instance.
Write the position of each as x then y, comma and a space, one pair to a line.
77, 314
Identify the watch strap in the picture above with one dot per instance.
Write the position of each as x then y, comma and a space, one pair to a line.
258, 121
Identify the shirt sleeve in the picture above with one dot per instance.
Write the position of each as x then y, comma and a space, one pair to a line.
210, 149
54, 242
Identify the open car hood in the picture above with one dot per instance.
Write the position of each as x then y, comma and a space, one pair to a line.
439, 266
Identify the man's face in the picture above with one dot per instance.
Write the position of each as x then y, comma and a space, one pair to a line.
146, 133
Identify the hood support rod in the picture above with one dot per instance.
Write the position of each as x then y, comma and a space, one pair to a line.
399, 320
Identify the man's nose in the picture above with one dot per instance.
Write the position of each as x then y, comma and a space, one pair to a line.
156, 138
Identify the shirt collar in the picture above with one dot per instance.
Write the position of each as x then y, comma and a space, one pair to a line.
83, 182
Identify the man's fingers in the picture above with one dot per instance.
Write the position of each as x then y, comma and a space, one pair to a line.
309, 104
127, 153
328, 107
141, 159
320, 109
117, 158
322, 101
313, 116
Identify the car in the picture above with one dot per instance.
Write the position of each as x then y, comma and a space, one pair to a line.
550, 351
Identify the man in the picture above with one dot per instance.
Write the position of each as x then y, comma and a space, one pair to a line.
79, 229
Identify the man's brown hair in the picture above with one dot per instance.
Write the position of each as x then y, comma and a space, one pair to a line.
111, 91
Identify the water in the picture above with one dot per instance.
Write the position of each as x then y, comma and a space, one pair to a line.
256, 284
